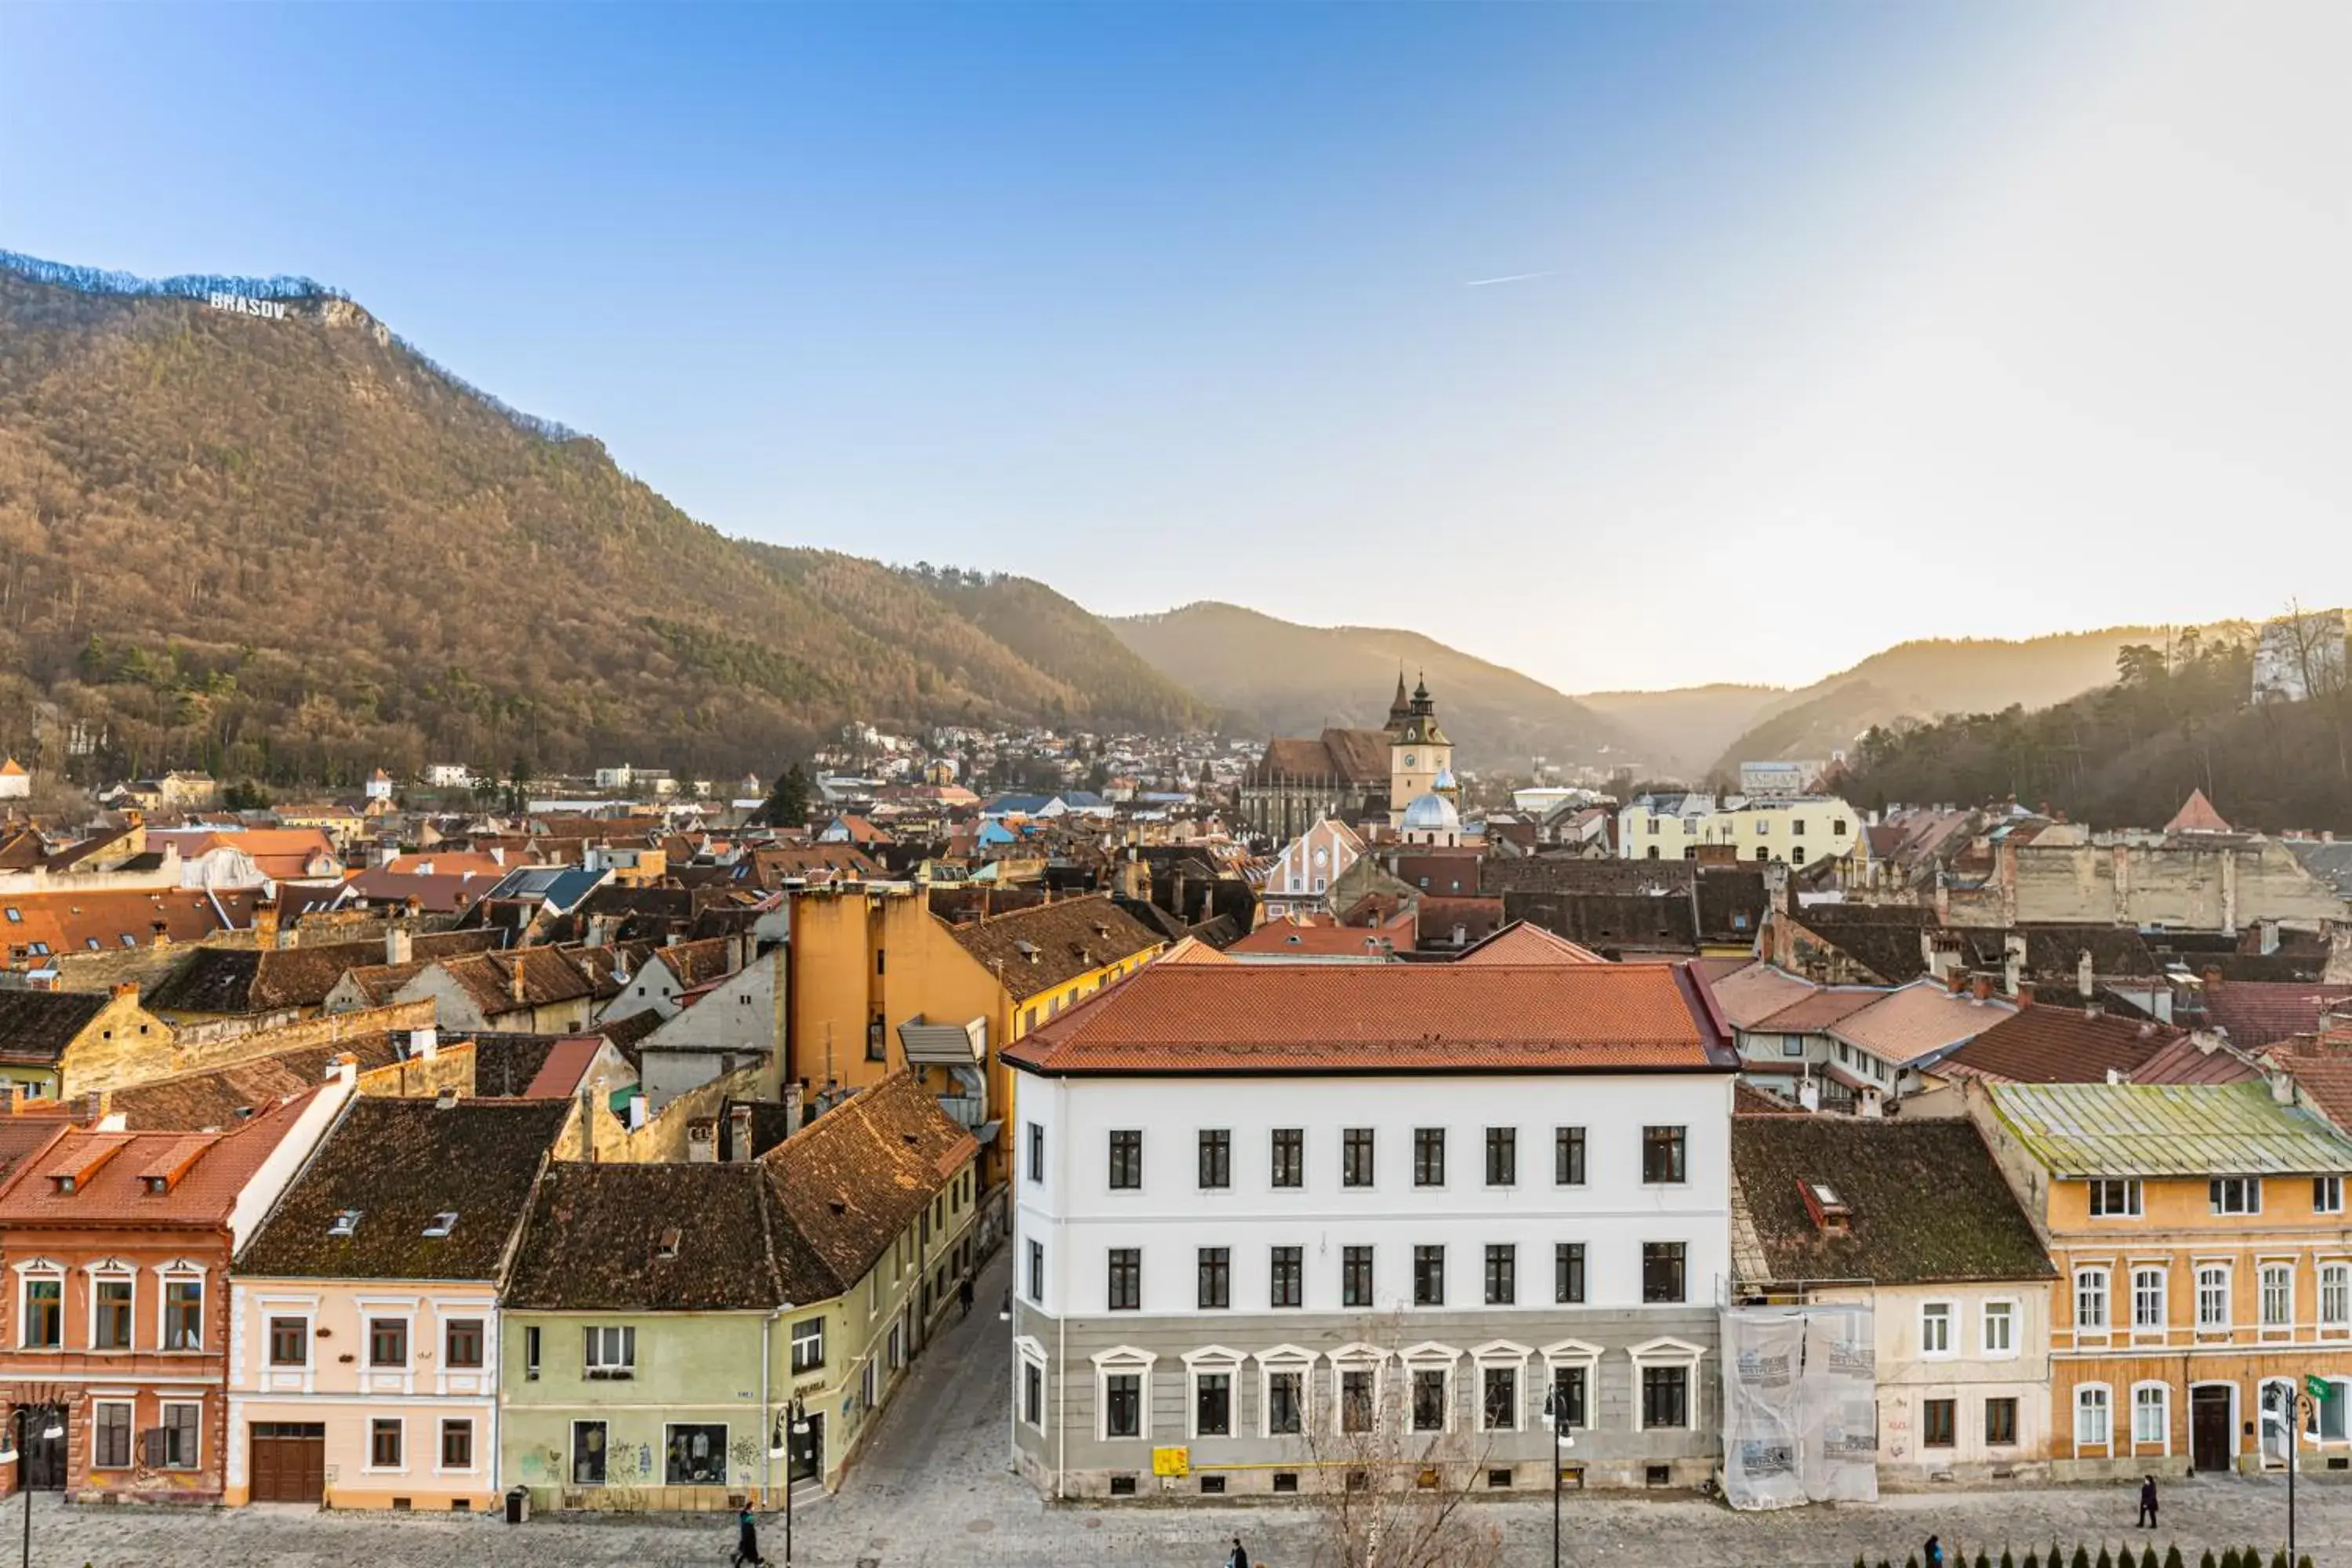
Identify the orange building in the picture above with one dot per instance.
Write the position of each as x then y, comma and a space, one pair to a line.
2205, 1270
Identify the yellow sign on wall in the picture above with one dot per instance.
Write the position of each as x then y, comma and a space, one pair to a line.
1172, 1461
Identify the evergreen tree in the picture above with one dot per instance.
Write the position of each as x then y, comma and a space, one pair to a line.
787, 804
2106, 1558
2006, 1560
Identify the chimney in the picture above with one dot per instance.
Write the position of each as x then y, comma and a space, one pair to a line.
162, 931
702, 1140
792, 1106
1956, 981
2114, 1075
2282, 1086
2268, 935
2086, 980
2207, 1041
126, 991
265, 923
447, 1099
2012, 963
515, 985
1982, 987
398, 946
739, 1132
346, 1069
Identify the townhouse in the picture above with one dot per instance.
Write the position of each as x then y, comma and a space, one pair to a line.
1269, 1215
2205, 1270
363, 1315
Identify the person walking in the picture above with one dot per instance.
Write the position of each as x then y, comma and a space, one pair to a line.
747, 1541
2147, 1501
1934, 1552
963, 1296
1238, 1557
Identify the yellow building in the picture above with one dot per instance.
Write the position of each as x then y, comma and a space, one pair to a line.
1421, 759
1795, 832
868, 960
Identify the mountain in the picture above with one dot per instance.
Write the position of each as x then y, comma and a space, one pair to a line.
277, 542
1274, 677
1680, 732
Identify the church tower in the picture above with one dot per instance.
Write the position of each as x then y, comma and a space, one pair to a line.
1419, 753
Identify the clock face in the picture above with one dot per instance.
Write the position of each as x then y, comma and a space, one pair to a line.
1408, 759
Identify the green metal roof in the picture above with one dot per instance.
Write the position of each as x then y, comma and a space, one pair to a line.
2167, 1129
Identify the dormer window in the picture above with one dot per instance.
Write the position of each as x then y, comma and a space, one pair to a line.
442, 1224
666, 1248
345, 1223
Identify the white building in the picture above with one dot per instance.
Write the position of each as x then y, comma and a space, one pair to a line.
449, 775
1300, 880
1259, 1206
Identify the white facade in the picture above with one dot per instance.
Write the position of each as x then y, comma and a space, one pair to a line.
449, 775
1300, 882
1949, 1358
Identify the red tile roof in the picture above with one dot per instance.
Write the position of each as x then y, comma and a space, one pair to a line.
1281, 1018
2197, 816
115, 1191
2061, 1045
2262, 1012
559, 1076
1822, 1008
1521, 944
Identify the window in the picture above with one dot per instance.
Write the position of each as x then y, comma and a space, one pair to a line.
1289, 1167
461, 1347
1502, 1274
183, 1436
1571, 1387
1036, 1153
43, 1323
1661, 1271
2148, 1423
1356, 1157
1032, 1393
2092, 1418
1216, 1276
1661, 1155
2278, 1296
456, 1445
530, 1354
1126, 1279
1216, 1159
2147, 1298
384, 1445
110, 1328
1502, 1156
1356, 1399
1429, 1156
2213, 1296
1288, 1277
1763, 852
2000, 1328
1037, 1271
1286, 1412
1568, 1272
1123, 1405
1429, 1276
1796, 852
2334, 1295
587, 1453
289, 1341
2327, 1195
611, 1353
1940, 1421
1213, 1403
2237, 1194
1837, 825
2114, 1199
1935, 1328
1665, 1396
1568, 1156
183, 1314
808, 1345
1125, 1160
1429, 1398
1792, 1045
2091, 1298
695, 1456
2001, 1423
1355, 1277
387, 1341
110, 1437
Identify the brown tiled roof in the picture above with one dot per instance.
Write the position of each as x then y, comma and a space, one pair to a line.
72, 923
1610, 922
1756, 991
2059, 1045
115, 1194
628, 1034
1478, 918
263, 980
558, 1077
1811, 1014
2187, 1061
507, 1061
401, 1163
1357, 757
596, 1241
1747, 1101
1884, 940
549, 976
37, 1026
2259, 1013
1405, 1017
1521, 944
222, 1096
1927, 1206
2197, 816
851, 1181
699, 962
1049, 945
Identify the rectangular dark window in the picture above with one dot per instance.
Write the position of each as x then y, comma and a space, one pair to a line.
1661, 1271
588, 1453
1289, 1157
1126, 1279
1216, 1159
1036, 1153
1568, 1156
456, 1445
1356, 1157
1285, 1403
1665, 1396
289, 1341
1429, 1156
1502, 1156
2001, 1423
1125, 1160
1661, 1155
183, 1436
1571, 1387
387, 1341
1032, 1393
1212, 1404
1355, 1277
1429, 1276
1428, 1399
1502, 1274
1356, 1400
696, 1454
111, 1325
1037, 1271
464, 1350
1940, 1423
1123, 1405
383, 1445
1500, 1404
1568, 1273
1216, 1272
111, 1441
1288, 1277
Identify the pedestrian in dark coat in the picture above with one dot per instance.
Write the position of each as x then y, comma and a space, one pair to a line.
1239, 1559
963, 1295
747, 1540
2147, 1501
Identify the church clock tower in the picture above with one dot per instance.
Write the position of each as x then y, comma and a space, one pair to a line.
1421, 759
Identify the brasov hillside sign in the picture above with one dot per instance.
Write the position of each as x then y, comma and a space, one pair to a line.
241, 305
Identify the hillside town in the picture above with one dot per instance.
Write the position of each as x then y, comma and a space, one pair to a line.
625, 1144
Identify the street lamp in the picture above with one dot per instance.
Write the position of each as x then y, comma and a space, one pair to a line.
1556, 1414
793, 1420
53, 1429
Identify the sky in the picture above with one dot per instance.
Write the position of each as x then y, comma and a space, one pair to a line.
1631, 345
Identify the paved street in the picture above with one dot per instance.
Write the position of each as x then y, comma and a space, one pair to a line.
931, 1492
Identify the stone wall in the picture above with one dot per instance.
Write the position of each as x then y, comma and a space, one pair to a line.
130, 1058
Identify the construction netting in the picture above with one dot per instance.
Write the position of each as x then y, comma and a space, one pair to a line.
1799, 1406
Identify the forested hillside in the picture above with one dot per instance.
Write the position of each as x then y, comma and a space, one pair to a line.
2127, 755
295, 549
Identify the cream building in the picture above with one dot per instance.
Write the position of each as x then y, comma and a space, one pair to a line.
1795, 832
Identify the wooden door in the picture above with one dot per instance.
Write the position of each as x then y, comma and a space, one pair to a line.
2209, 1428
290, 1462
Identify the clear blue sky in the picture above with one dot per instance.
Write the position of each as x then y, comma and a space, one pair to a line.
1853, 322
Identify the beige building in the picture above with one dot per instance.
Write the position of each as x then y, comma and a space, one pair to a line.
1800, 831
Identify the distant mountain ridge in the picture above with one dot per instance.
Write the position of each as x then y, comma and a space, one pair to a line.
297, 550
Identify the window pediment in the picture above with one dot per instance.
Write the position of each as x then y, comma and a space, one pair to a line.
1123, 1356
